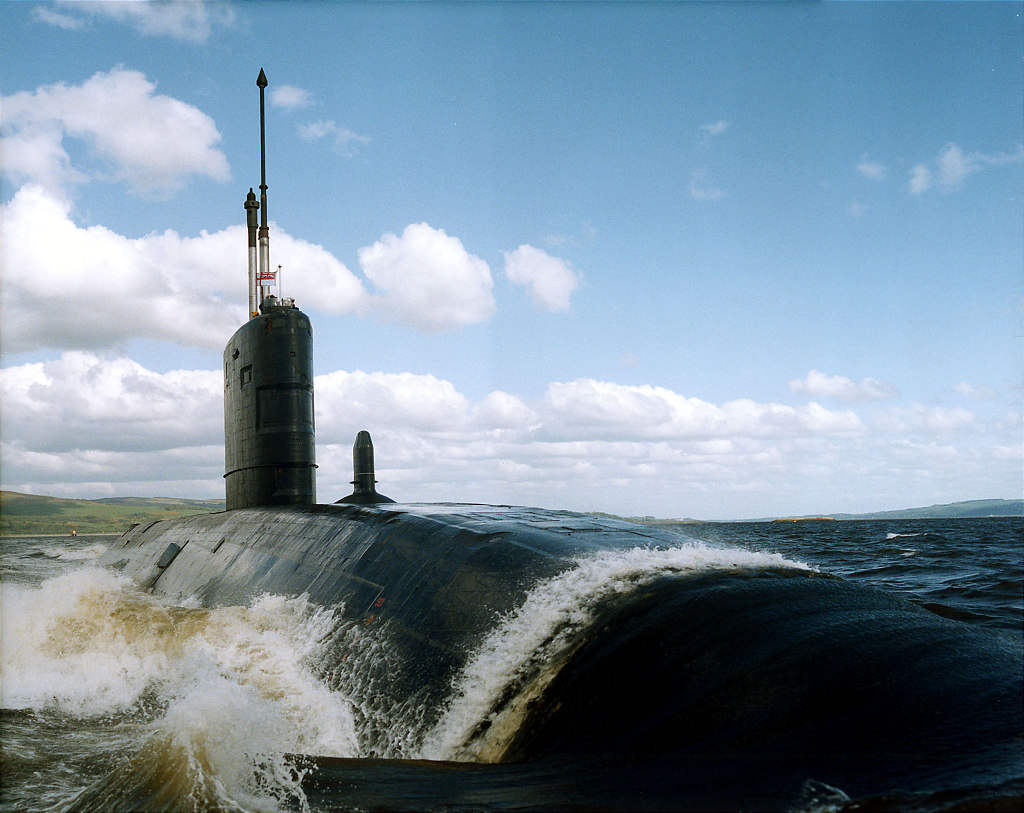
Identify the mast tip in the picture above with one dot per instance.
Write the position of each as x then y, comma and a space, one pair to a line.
261, 80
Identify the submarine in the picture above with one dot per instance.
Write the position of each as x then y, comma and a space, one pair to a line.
636, 670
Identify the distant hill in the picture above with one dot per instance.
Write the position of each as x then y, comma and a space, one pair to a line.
953, 510
969, 509
22, 514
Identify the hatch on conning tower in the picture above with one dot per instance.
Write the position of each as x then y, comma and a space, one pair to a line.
269, 439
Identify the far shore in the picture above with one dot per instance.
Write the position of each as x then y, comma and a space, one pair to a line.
61, 535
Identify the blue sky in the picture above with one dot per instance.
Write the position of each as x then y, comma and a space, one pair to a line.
682, 259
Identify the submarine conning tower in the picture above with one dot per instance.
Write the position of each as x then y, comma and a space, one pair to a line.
269, 439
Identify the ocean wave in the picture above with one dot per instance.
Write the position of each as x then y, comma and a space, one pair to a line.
518, 659
222, 693
79, 555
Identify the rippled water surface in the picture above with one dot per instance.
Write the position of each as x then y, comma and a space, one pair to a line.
115, 699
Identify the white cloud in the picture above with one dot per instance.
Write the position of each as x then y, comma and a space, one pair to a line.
345, 402
68, 22
981, 393
501, 410
191, 290
701, 190
953, 166
84, 425
920, 180
428, 280
586, 408
290, 97
920, 418
90, 288
84, 402
38, 154
343, 141
712, 129
1013, 452
871, 169
549, 280
148, 141
857, 209
184, 20
821, 385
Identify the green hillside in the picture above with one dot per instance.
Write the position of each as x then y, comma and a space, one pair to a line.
22, 514
969, 509
954, 510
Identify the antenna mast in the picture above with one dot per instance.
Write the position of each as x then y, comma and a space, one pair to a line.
264, 232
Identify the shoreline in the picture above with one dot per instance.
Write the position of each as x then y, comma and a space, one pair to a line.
60, 535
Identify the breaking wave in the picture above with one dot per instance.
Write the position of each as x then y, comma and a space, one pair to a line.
518, 659
219, 696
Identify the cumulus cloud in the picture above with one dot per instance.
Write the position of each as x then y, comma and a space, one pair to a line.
185, 20
83, 401
71, 287
599, 409
86, 425
549, 280
342, 140
422, 403
428, 280
502, 410
922, 418
89, 288
290, 97
820, 385
148, 141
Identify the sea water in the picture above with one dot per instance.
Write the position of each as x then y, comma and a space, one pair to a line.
116, 699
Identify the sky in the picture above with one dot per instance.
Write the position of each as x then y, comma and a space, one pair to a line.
711, 260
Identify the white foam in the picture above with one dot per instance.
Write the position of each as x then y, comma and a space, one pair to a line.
234, 687
79, 555
524, 648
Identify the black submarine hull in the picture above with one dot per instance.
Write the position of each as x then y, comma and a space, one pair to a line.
715, 687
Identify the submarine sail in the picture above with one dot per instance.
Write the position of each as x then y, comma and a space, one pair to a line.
269, 434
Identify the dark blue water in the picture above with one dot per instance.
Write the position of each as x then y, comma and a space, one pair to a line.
117, 700
970, 569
